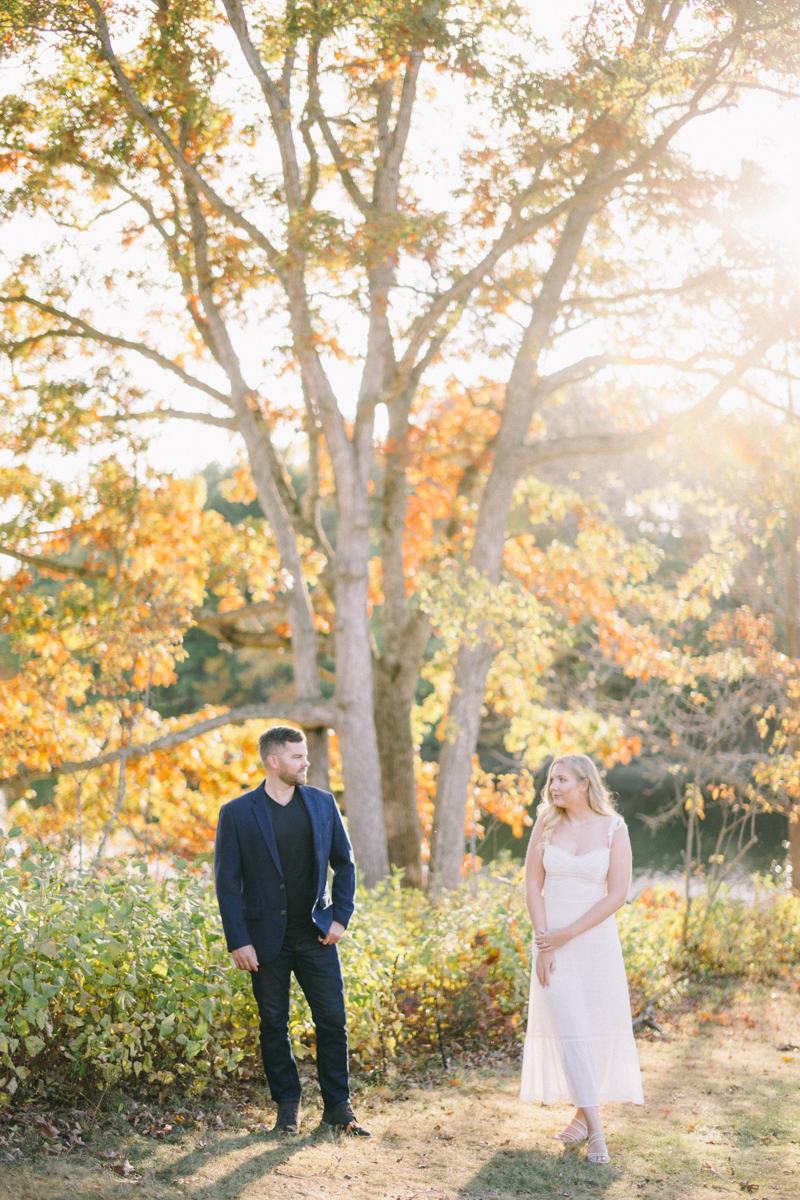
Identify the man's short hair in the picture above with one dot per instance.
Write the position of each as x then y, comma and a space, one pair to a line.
276, 738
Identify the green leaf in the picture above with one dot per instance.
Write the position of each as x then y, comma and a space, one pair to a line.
34, 1045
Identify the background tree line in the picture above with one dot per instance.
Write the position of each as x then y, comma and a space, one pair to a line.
521, 437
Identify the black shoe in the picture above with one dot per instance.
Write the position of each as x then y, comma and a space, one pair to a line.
288, 1119
343, 1119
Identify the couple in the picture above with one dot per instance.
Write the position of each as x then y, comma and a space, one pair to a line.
273, 848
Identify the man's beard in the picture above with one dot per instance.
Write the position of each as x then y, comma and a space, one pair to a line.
293, 777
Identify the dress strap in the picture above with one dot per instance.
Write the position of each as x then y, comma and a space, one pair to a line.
614, 824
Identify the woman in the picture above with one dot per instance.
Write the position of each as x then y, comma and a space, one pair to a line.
579, 1046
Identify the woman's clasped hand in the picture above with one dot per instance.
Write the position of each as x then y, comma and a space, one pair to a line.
553, 939
546, 943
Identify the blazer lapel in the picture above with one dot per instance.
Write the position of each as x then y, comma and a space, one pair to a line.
265, 823
310, 802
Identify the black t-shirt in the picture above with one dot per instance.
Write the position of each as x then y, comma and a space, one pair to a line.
295, 840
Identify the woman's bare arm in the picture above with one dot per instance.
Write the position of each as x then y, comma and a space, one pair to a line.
534, 882
619, 882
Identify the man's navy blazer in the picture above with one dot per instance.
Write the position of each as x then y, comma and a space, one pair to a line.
247, 871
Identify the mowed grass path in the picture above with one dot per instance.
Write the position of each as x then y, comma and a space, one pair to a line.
721, 1119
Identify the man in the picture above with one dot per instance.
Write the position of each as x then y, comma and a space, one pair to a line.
271, 860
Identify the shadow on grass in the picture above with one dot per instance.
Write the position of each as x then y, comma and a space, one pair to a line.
562, 1172
278, 1152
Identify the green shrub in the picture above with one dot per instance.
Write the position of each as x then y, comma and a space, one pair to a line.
103, 980
106, 981
731, 938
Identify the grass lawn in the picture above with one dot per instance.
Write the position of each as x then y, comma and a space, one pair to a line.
721, 1119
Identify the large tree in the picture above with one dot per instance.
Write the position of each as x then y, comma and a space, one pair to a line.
261, 172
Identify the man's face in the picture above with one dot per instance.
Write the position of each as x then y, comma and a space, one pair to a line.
290, 762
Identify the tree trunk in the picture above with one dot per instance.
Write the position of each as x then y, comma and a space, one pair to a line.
472, 666
355, 725
395, 691
396, 749
318, 757
405, 637
455, 766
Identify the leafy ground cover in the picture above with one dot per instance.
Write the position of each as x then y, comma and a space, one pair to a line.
720, 1120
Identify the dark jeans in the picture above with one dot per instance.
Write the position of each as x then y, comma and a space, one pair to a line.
316, 968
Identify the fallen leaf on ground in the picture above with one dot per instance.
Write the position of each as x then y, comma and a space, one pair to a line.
124, 1168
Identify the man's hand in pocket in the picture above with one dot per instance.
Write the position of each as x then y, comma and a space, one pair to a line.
335, 932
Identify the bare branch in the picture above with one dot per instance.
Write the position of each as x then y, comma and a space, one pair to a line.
762, 87
784, 409
53, 565
548, 450
390, 183
85, 330
228, 631
260, 608
311, 502
307, 120
703, 279
340, 162
277, 100
572, 374
306, 714
174, 414
225, 627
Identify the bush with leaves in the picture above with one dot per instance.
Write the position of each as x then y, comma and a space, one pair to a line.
121, 979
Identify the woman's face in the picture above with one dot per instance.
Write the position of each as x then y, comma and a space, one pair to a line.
566, 789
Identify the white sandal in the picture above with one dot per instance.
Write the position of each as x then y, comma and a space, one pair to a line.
596, 1157
576, 1131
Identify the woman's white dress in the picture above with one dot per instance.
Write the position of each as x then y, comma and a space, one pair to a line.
579, 1046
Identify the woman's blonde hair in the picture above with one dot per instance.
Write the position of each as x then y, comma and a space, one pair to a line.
598, 796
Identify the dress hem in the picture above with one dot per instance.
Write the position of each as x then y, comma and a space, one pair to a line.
566, 1100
